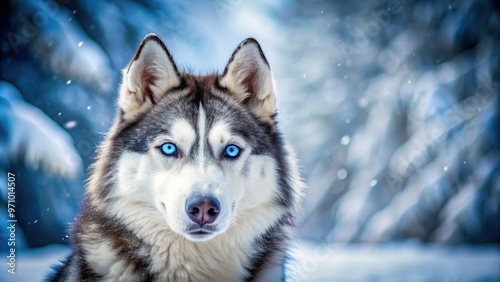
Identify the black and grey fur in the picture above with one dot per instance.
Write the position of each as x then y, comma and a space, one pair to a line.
132, 225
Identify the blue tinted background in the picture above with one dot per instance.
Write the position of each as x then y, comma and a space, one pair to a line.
392, 107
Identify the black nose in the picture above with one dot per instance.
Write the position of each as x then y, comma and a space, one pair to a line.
202, 210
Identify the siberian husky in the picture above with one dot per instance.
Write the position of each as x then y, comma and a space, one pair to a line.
193, 182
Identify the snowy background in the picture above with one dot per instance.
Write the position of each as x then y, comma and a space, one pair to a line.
392, 107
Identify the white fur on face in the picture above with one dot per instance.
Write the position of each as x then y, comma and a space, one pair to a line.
166, 182
202, 120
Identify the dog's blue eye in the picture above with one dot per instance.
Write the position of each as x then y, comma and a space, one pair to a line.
169, 149
232, 151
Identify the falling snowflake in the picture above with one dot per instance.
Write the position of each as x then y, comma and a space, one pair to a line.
345, 140
342, 173
70, 124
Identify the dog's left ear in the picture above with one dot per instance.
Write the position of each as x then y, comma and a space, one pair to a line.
248, 77
150, 75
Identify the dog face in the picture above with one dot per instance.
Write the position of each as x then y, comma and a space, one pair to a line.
202, 152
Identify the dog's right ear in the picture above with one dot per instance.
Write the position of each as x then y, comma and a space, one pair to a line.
150, 75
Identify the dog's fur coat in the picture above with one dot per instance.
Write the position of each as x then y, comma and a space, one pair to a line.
133, 224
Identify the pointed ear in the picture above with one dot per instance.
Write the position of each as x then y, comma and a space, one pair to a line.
148, 77
248, 77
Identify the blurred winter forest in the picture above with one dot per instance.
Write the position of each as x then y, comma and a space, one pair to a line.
392, 106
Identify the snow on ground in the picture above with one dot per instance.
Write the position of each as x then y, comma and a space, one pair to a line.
395, 262
33, 264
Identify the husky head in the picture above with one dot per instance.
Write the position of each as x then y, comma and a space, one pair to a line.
201, 152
